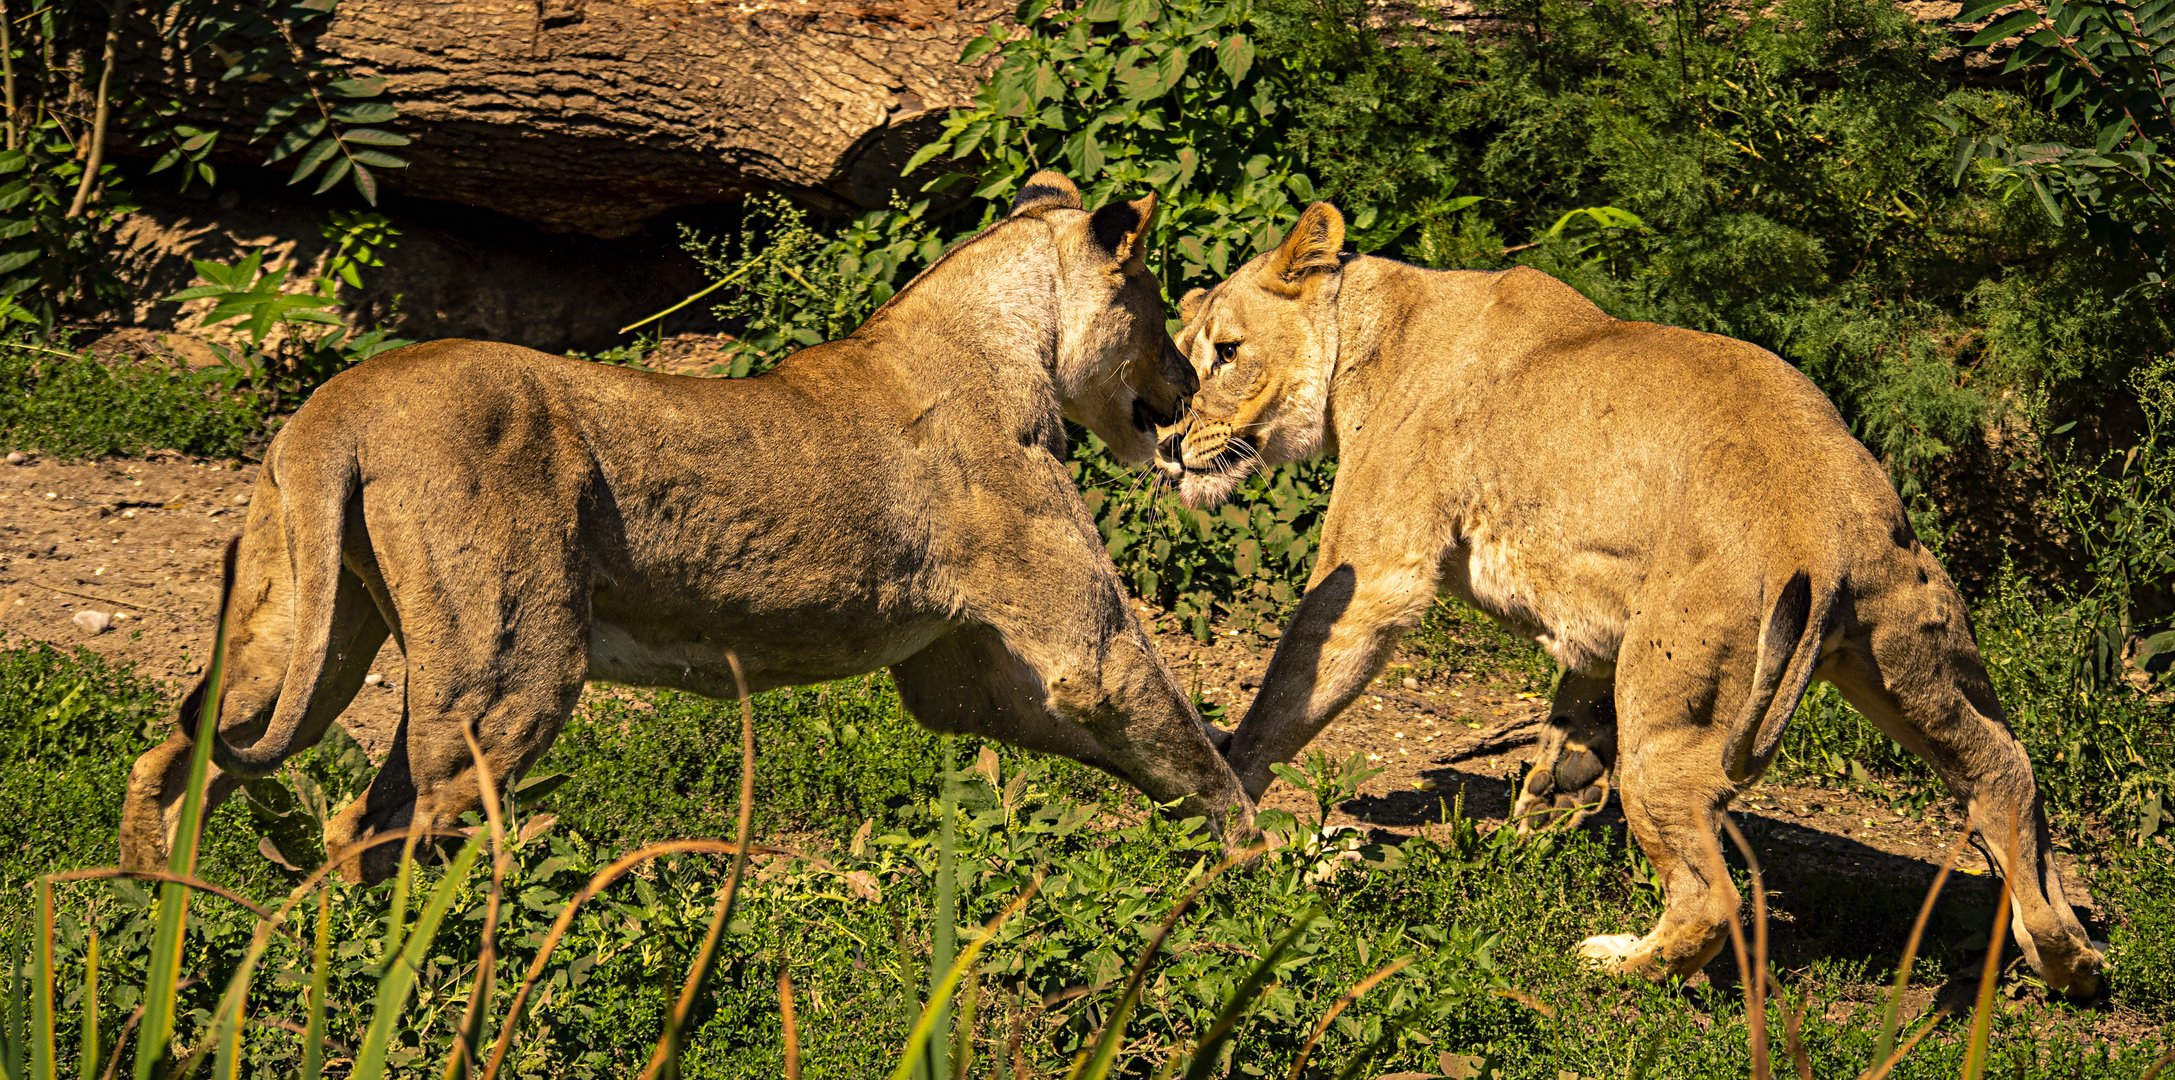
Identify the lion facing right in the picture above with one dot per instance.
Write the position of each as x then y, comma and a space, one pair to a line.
1681, 519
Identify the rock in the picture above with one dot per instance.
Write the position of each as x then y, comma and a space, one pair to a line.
241, 498
17, 457
1411, 683
93, 622
373, 679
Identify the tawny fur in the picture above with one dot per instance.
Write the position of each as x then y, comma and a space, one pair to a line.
1682, 520
520, 522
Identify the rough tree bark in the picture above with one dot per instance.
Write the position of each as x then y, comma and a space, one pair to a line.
596, 115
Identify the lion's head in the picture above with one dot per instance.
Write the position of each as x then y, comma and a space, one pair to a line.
1117, 372
1264, 344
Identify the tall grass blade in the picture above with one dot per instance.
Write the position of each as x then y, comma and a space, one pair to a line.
14, 1032
1881, 1070
42, 1065
1890, 1016
1982, 1013
313, 1023
461, 1062
155, 1034
791, 1025
944, 943
1754, 970
962, 1061
396, 914
1242, 999
664, 1060
399, 978
87, 1060
917, 1040
1358, 990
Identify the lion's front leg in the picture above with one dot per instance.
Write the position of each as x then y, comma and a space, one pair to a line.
1034, 576
1353, 614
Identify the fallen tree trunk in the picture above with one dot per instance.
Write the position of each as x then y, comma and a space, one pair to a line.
597, 115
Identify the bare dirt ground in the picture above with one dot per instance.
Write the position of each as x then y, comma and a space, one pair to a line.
140, 541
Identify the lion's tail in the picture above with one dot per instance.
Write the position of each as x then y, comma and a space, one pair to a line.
313, 495
1789, 650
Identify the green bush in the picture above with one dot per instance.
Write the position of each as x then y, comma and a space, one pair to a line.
2140, 885
71, 405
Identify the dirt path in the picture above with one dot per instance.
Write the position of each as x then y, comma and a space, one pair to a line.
140, 541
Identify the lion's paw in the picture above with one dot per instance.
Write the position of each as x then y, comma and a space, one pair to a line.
1612, 952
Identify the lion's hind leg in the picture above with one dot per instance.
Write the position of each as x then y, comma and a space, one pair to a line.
1674, 679
260, 636
492, 605
1569, 779
1911, 668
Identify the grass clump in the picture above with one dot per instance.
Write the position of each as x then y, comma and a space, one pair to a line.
2139, 884
70, 404
70, 723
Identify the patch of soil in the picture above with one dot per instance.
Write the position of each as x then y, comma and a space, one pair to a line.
140, 543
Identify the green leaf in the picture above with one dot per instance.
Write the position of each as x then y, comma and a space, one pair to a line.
924, 156
381, 159
364, 112
1235, 55
359, 87
334, 175
374, 137
319, 152
977, 49
2002, 29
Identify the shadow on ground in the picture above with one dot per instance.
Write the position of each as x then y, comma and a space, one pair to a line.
1830, 898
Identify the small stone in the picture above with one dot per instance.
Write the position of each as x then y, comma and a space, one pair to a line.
241, 498
373, 679
17, 457
93, 622
1411, 683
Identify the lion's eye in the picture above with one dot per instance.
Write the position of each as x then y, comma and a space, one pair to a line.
1225, 350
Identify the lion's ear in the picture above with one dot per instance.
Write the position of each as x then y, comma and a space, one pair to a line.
1046, 190
1122, 228
1315, 243
1189, 305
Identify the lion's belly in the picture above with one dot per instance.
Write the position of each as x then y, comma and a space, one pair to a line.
697, 656
1569, 605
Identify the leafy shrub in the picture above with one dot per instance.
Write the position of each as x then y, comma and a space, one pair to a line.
1240, 565
296, 338
2140, 885
795, 287
72, 405
59, 196
1129, 96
